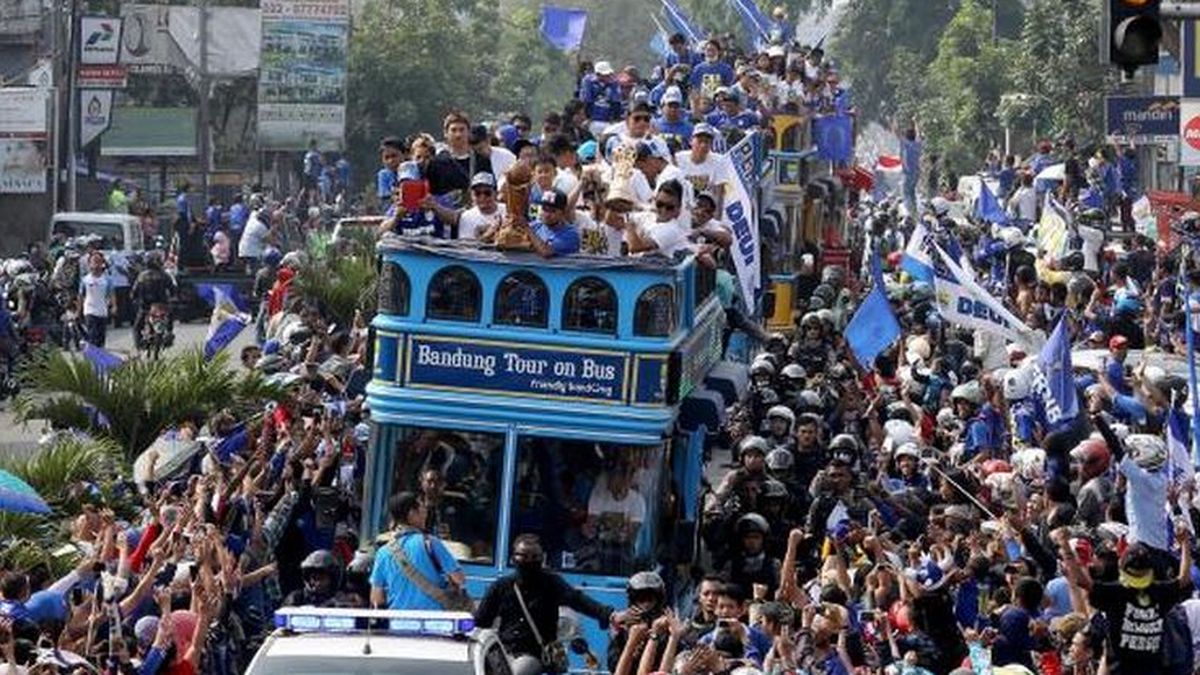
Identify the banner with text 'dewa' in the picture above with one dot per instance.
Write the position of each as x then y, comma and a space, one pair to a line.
302, 75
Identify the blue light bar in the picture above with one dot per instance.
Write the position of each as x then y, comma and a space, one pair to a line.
401, 622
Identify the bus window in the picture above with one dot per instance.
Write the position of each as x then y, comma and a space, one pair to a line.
454, 295
706, 283
393, 290
654, 315
594, 507
458, 474
591, 306
522, 300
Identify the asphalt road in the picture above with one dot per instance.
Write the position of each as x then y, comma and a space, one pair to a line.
18, 439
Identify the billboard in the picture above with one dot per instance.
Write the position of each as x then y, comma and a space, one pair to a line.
22, 166
99, 40
23, 112
95, 114
1141, 119
302, 74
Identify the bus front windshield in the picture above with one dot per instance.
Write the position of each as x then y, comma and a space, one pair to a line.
458, 476
595, 507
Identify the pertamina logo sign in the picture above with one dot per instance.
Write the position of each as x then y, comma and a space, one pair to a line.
99, 40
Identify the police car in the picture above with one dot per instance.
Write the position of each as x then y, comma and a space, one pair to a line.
318, 640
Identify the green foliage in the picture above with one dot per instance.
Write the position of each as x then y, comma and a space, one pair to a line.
340, 279
140, 399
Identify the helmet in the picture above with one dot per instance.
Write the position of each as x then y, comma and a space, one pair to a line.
940, 206
776, 340
946, 419
845, 442
794, 371
1148, 451
1018, 384
809, 400
782, 412
753, 443
320, 561
780, 459
816, 302
909, 449
762, 367
833, 275
752, 523
1129, 304
154, 260
1093, 457
774, 489
272, 256
1012, 237
899, 410
919, 349
1092, 215
646, 582
970, 392
810, 319
17, 266
825, 291
1081, 286
293, 259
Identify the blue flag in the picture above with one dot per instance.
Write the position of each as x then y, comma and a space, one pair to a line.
102, 361
1193, 391
563, 27
873, 327
1057, 382
917, 260
660, 46
757, 26
680, 22
987, 207
228, 318
213, 293
834, 136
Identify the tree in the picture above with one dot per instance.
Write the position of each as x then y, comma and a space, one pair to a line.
135, 402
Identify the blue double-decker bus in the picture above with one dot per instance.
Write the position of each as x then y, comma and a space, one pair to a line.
568, 398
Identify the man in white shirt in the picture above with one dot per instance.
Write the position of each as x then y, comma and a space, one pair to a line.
615, 510
502, 159
706, 170
659, 232
255, 236
1024, 202
96, 299
485, 214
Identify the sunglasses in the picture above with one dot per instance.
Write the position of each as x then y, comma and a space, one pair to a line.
483, 192
665, 206
640, 118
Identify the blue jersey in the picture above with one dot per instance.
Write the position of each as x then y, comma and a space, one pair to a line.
689, 58
312, 163
419, 549
563, 241
182, 207
707, 77
1024, 421
681, 131
239, 213
603, 99
746, 119
385, 184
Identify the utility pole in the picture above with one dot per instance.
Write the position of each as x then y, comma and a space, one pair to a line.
72, 107
205, 87
56, 69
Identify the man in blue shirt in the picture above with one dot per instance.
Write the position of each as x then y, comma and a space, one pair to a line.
415, 571
681, 52
312, 168
713, 73
779, 31
673, 124
731, 115
552, 234
602, 97
910, 160
1006, 178
212, 219
391, 153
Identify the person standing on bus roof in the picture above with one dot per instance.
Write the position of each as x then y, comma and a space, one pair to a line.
416, 570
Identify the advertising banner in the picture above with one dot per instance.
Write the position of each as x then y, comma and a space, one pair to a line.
302, 74
454, 364
102, 77
22, 166
1141, 119
23, 112
1189, 132
95, 114
99, 40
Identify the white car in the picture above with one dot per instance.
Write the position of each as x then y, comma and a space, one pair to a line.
328, 641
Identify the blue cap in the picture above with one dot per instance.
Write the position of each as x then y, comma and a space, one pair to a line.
270, 347
587, 151
704, 129
408, 171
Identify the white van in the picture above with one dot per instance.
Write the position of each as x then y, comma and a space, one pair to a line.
118, 231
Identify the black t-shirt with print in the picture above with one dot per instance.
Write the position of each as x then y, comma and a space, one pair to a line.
1135, 623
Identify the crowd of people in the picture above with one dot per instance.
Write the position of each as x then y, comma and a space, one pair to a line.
924, 513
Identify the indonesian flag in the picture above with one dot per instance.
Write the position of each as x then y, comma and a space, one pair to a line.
889, 175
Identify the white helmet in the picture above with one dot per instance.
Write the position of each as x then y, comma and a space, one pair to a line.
1018, 384
897, 433
908, 450
1147, 451
940, 206
918, 349
783, 412
970, 392
1012, 237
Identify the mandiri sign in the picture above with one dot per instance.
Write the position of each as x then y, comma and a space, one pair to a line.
1141, 119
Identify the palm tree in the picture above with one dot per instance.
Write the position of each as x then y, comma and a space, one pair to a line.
341, 278
135, 402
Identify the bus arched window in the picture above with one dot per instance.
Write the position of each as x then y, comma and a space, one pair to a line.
591, 306
393, 289
522, 300
654, 315
454, 295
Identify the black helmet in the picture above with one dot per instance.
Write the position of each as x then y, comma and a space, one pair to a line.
320, 560
646, 582
752, 523
808, 401
773, 489
899, 410
845, 442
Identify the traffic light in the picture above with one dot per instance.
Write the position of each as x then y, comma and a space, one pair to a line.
1134, 31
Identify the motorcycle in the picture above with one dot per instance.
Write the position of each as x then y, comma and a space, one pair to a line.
157, 331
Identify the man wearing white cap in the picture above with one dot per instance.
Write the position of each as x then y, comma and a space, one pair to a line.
706, 170
672, 123
601, 96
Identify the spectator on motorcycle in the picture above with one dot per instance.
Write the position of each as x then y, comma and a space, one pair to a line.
525, 606
322, 575
152, 286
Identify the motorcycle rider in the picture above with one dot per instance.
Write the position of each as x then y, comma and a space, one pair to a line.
153, 286
322, 576
541, 592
